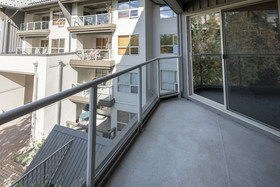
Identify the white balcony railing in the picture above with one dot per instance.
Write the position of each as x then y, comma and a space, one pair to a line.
38, 25
128, 13
94, 54
32, 50
97, 19
103, 92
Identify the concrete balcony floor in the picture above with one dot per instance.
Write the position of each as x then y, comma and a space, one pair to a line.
185, 144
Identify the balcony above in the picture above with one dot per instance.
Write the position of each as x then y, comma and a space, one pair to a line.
32, 50
105, 96
34, 29
93, 58
99, 23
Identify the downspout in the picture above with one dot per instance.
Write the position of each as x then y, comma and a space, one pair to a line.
35, 95
60, 76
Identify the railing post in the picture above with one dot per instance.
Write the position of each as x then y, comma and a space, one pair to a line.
179, 77
158, 78
91, 137
140, 96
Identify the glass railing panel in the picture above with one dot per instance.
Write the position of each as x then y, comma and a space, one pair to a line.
94, 54
89, 20
32, 50
30, 26
168, 76
38, 25
45, 25
103, 18
117, 114
150, 87
96, 19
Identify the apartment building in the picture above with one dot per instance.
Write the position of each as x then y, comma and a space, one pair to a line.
58, 45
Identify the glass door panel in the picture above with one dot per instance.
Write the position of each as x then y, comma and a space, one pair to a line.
252, 44
206, 57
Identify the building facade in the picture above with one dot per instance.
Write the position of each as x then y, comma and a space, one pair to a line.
61, 45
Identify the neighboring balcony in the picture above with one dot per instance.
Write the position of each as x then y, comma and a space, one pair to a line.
34, 29
98, 23
32, 50
105, 96
93, 58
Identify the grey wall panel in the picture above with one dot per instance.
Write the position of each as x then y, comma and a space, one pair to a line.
13, 24
200, 5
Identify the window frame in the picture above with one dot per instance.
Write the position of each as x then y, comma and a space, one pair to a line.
129, 45
173, 45
130, 85
131, 115
129, 10
58, 48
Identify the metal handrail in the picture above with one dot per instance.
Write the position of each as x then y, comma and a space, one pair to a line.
46, 159
41, 103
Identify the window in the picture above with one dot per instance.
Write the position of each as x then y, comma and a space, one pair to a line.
128, 8
168, 80
58, 18
101, 73
58, 46
168, 43
128, 45
102, 43
166, 12
124, 118
128, 83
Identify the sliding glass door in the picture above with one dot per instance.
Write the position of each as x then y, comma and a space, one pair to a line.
206, 57
252, 51
245, 60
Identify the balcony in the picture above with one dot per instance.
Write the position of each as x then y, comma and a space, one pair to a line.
105, 96
185, 144
98, 23
32, 50
93, 58
180, 142
34, 29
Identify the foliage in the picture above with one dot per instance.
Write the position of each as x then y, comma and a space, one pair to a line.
206, 39
26, 157
255, 35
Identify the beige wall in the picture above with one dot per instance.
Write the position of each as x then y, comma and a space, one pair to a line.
15, 90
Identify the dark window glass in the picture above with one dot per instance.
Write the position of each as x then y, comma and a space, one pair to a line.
253, 61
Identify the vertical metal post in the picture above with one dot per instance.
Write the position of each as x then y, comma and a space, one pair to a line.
179, 77
140, 96
158, 78
91, 137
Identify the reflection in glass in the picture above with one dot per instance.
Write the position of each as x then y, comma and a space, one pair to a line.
207, 60
253, 61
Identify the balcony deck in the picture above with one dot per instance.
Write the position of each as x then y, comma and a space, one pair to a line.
98, 64
89, 29
34, 33
185, 144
